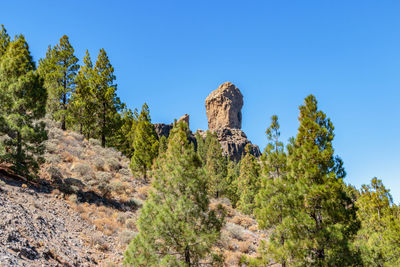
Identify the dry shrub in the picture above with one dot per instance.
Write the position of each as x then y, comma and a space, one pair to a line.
94, 142
243, 220
253, 228
82, 169
113, 164
121, 217
130, 224
117, 187
232, 258
126, 236
67, 157
125, 172
236, 231
143, 191
98, 241
98, 163
244, 246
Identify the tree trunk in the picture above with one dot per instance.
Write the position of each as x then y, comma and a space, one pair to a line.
103, 131
64, 108
187, 256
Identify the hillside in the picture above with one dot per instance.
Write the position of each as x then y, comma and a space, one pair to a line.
82, 211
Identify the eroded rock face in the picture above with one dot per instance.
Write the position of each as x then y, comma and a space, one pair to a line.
233, 143
223, 107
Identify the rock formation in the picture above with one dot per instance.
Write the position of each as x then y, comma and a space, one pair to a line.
223, 107
163, 129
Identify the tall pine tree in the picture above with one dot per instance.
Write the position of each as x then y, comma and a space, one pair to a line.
324, 223
248, 182
274, 198
83, 101
59, 69
176, 226
379, 237
215, 167
23, 103
105, 91
145, 144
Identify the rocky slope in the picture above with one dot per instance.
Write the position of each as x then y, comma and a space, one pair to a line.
83, 209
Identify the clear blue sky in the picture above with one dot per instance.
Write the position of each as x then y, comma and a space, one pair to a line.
172, 54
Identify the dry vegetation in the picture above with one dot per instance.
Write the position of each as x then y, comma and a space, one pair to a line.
97, 183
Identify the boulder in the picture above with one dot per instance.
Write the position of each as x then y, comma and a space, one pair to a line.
223, 107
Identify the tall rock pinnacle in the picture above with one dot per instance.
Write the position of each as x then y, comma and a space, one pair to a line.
223, 107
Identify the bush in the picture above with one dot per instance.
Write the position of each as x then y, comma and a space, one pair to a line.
73, 198
103, 177
135, 202
121, 218
94, 142
130, 224
113, 164
52, 158
76, 136
126, 236
125, 172
51, 146
82, 169
98, 241
55, 133
236, 231
99, 164
55, 174
117, 187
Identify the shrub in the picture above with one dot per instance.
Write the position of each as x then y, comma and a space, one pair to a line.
51, 146
94, 142
52, 158
98, 241
125, 172
113, 164
104, 177
76, 136
126, 236
121, 218
55, 174
117, 187
236, 231
135, 202
73, 198
130, 224
82, 169
98, 164
55, 133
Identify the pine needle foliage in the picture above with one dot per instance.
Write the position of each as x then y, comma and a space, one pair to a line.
23, 103
176, 226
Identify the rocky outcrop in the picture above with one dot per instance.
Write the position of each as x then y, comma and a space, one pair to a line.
163, 129
233, 143
223, 107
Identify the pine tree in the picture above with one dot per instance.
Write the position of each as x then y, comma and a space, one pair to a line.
215, 167
23, 103
145, 144
83, 101
176, 225
108, 104
124, 136
379, 237
231, 181
324, 222
163, 145
59, 69
4, 40
273, 200
248, 182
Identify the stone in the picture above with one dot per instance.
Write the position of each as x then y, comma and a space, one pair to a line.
184, 118
224, 107
233, 143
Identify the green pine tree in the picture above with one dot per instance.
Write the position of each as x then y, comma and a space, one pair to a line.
324, 222
379, 237
59, 69
216, 168
108, 104
83, 101
231, 182
248, 182
4, 40
145, 144
273, 200
176, 225
24, 98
